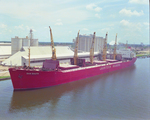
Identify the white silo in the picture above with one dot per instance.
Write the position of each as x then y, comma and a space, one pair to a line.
16, 44
25, 41
85, 42
34, 42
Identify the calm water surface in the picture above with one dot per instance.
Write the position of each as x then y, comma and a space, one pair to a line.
123, 94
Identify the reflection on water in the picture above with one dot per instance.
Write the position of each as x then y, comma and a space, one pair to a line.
30, 98
120, 94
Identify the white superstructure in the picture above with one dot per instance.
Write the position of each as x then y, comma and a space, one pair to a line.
126, 53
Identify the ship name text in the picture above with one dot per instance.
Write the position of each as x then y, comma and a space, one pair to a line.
106, 67
32, 73
116, 65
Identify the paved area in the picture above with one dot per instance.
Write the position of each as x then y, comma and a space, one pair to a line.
4, 71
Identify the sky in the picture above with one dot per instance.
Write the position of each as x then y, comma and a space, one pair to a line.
128, 18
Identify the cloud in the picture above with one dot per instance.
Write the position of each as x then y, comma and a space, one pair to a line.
58, 20
139, 1
130, 13
111, 25
3, 26
146, 23
59, 23
105, 30
20, 27
85, 29
98, 9
97, 15
112, 15
112, 43
90, 6
27, 27
130, 25
124, 22
93, 7
43, 12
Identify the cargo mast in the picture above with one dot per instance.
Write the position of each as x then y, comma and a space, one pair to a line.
105, 48
92, 49
115, 47
52, 45
76, 49
31, 37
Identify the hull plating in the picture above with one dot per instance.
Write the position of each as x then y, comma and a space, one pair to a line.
31, 79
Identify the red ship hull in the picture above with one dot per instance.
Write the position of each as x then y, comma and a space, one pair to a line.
34, 78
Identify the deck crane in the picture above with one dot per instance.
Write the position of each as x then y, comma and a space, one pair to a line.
92, 49
115, 47
105, 48
76, 49
52, 45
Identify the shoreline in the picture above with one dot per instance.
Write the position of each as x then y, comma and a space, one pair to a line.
4, 73
7, 78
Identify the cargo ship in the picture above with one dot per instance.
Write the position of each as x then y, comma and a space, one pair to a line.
52, 73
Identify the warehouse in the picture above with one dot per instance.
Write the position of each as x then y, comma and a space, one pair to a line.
15, 60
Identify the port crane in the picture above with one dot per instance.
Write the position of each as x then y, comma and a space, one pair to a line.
52, 45
105, 48
92, 49
76, 49
115, 47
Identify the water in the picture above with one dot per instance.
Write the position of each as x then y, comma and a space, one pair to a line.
123, 94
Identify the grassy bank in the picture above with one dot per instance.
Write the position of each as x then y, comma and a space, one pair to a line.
4, 77
141, 55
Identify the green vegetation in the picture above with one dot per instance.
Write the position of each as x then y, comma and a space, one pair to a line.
3, 77
140, 55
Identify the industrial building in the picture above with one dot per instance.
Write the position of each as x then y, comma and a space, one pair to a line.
85, 42
20, 50
39, 54
18, 43
5, 51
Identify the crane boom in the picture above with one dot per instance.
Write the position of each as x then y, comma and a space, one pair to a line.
76, 49
105, 48
115, 47
52, 45
92, 49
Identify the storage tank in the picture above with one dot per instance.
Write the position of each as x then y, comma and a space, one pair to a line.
25, 41
34, 42
16, 44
